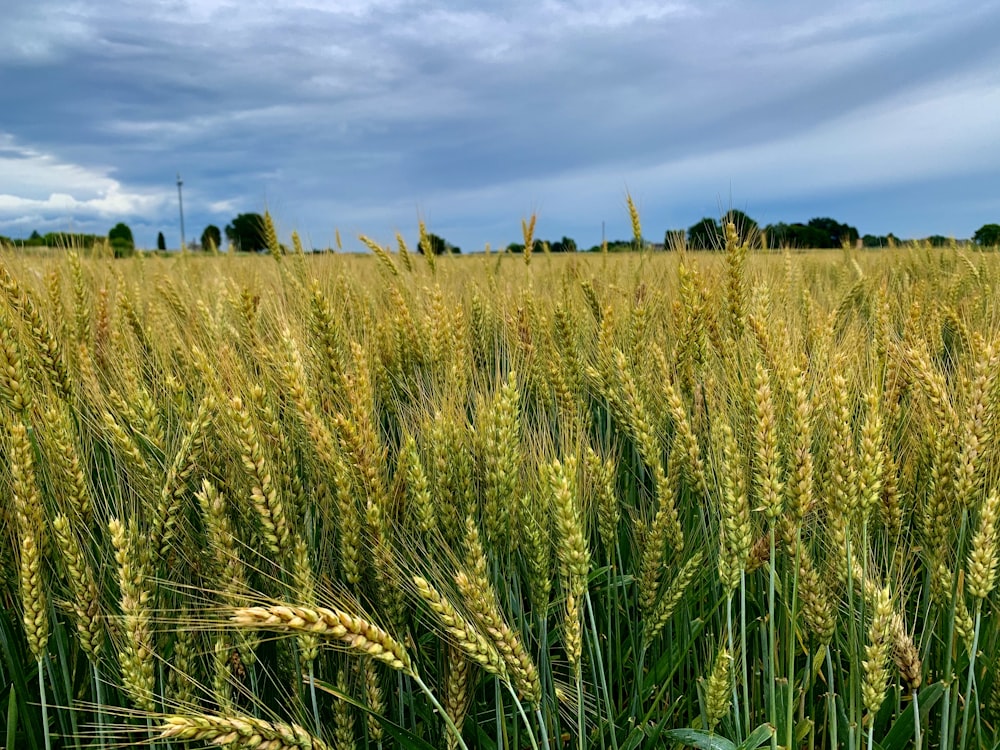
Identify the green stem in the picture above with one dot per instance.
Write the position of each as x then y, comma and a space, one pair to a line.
732, 653
524, 716
163, 696
255, 689
600, 673
772, 707
743, 649
831, 698
99, 692
312, 693
790, 701
399, 705
852, 688
637, 693
972, 673
542, 728
613, 620
947, 731
499, 710
440, 709
918, 737
45, 708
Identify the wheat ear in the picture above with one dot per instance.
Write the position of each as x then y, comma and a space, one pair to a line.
239, 732
356, 633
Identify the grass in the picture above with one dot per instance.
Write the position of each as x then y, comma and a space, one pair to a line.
586, 501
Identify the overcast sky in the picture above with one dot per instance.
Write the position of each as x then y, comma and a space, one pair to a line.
364, 115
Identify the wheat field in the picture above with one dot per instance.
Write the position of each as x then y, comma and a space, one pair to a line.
722, 500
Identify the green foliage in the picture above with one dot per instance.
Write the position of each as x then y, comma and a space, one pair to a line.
795, 235
747, 229
122, 248
161, 241
988, 235
887, 240
705, 235
709, 234
518, 247
120, 236
58, 240
837, 234
439, 246
709, 741
674, 239
616, 246
246, 232
565, 245
211, 234
938, 240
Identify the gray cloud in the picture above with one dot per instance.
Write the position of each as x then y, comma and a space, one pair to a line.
362, 114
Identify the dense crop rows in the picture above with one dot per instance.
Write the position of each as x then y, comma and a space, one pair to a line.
587, 501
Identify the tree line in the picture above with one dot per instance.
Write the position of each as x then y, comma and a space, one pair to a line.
245, 233
817, 233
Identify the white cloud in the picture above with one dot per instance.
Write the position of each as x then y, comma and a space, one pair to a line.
935, 132
614, 14
894, 143
110, 203
223, 206
48, 188
33, 33
480, 113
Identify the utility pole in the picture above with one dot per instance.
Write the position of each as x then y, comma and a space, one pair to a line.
180, 202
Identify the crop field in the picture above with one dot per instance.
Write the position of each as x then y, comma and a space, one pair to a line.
645, 500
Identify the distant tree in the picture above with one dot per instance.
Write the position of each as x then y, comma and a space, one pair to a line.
565, 245
33, 241
747, 229
211, 235
120, 237
67, 239
439, 246
837, 234
246, 232
938, 240
795, 235
615, 246
674, 239
705, 235
882, 240
122, 234
161, 241
988, 235
537, 246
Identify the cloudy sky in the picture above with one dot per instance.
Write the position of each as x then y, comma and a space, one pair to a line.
364, 115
